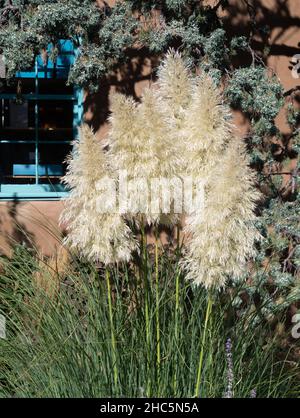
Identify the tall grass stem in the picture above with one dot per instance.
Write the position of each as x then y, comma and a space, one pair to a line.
199, 373
146, 293
158, 353
113, 338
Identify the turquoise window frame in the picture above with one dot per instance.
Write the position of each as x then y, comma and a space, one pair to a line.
41, 71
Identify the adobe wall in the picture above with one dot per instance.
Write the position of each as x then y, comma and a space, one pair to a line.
283, 18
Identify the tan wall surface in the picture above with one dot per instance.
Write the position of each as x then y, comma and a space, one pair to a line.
283, 18
34, 223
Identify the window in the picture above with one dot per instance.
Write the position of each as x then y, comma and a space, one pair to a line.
39, 119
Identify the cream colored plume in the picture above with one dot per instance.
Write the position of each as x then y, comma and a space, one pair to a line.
126, 147
223, 236
130, 156
176, 86
142, 147
164, 161
98, 235
197, 119
207, 128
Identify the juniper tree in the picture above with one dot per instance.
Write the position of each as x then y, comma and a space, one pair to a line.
106, 36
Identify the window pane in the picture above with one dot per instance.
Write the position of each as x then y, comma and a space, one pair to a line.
18, 86
17, 121
56, 120
21, 127
52, 162
18, 114
17, 163
50, 86
55, 114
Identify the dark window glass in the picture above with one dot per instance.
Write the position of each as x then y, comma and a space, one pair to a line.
50, 86
17, 163
35, 135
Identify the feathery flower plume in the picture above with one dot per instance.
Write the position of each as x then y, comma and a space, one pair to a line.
207, 128
103, 237
129, 153
223, 235
179, 128
175, 87
141, 146
164, 160
126, 147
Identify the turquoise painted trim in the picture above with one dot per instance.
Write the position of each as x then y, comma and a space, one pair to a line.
77, 110
61, 67
65, 58
32, 192
32, 188
60, 73
46, 197
43, 169
32, 197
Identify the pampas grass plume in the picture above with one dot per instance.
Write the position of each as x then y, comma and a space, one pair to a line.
223, 236
103, 237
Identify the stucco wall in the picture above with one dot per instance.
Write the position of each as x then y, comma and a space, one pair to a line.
36, 222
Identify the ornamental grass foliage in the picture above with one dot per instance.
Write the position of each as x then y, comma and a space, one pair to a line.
58, 343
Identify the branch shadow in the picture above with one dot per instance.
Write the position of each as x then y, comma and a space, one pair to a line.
123, 79
240, 21
19, 234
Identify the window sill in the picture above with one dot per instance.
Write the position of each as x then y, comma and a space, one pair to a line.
32, 192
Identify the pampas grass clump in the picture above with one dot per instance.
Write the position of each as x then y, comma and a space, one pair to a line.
180, 128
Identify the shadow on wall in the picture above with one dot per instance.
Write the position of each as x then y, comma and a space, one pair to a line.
13, 231
273, 26
276, 22
269, 21
125, 79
